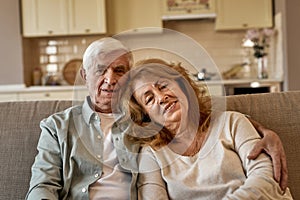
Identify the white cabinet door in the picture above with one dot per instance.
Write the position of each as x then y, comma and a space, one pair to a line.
87, 16
63, 17
126, 15
44, 17
243, 14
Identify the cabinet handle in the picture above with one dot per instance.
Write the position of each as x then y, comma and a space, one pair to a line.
47, 95
245, 25
50, 32
87, 30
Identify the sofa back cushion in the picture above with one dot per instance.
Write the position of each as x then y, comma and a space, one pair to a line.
19, 134
281, 113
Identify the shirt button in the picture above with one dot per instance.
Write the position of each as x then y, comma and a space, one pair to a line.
117, 138
99, 137
96, 117
83, 190
96, 175
99, 156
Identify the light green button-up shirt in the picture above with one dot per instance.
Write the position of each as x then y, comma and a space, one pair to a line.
68, 160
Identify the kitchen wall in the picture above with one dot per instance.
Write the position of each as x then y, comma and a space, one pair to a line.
11, 64
225, 47
40, 52
224, 55
292, 9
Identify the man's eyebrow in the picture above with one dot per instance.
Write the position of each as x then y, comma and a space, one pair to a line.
101, 66
121, 66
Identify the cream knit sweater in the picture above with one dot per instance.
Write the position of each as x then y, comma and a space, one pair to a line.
220, 170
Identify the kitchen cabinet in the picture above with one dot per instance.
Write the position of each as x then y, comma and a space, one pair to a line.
87, 16
44, 17
62, 17
243, 14
124, 15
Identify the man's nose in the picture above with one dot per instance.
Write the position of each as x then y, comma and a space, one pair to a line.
110, 77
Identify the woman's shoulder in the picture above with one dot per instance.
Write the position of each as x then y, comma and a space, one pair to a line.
227, 116
234, 114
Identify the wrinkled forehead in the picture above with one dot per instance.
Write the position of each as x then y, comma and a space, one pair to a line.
144, 80
107, 58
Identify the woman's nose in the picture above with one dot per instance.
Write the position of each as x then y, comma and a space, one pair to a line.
163, 98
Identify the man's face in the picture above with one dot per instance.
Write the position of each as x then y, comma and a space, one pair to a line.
102, 80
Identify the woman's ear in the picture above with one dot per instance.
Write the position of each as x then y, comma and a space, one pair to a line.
83, 73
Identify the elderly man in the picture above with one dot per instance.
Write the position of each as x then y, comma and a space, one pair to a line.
79, 158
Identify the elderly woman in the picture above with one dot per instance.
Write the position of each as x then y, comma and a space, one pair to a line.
190, 151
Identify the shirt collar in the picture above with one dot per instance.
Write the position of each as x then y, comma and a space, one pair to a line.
87, 110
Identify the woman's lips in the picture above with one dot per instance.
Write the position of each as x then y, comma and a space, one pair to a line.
169, 106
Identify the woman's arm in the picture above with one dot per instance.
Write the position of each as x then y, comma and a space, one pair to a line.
150, 183
259, 183
272, 145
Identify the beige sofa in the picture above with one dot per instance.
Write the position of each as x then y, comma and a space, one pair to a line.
19, 133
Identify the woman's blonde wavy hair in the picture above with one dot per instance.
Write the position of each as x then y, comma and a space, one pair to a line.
155, 134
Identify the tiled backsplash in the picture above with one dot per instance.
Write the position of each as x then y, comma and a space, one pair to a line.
51, 54
225, 47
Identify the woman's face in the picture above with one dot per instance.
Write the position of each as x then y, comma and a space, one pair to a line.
162, 99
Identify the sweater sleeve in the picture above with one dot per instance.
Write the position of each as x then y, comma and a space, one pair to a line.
150, 183
259, 183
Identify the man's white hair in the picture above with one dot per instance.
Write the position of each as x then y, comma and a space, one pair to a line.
100, 49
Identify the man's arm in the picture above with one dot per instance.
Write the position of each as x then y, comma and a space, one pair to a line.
46, 178
272, 145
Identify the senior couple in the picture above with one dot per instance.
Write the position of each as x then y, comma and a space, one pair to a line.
145, 132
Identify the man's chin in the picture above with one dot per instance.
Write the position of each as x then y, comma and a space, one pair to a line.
103, 104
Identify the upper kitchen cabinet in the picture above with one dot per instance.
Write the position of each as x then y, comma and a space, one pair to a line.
44, 17
87, 16
63, 17
243, 14
124, 15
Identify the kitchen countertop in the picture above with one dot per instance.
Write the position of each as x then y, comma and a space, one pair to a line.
240, 81
23, 88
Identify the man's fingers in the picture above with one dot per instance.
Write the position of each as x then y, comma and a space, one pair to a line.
276, 167
284, 173
280, 170
257, 149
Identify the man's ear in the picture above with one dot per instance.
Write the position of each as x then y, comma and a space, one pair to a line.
83, 73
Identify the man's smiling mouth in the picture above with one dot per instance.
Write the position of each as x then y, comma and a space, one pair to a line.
107, 91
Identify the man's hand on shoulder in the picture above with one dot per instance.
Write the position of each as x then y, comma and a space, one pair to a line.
272, 145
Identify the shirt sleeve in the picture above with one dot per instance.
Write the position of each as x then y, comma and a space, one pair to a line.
150, 183
259, 183
46, 170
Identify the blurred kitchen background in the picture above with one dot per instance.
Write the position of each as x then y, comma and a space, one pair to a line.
42, 42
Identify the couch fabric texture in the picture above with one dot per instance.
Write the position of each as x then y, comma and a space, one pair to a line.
19, 134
